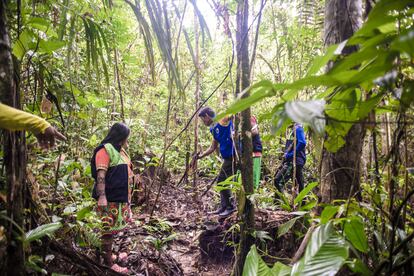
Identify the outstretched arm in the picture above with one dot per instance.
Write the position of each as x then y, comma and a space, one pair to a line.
15, 119
210, 150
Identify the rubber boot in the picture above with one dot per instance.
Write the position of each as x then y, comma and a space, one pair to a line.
225, 199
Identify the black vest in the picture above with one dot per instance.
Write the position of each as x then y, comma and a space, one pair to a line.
116, 179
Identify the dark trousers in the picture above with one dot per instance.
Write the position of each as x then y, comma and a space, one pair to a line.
285, 172
228, 168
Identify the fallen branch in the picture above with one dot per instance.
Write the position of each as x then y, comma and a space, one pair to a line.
81, 260
303, 245
209, 186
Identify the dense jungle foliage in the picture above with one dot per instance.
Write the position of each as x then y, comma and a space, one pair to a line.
341, 68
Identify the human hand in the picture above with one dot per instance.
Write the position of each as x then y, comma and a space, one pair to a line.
194, 159
102, 201
47, 139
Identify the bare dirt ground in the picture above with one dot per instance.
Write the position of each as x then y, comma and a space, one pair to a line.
179, 239
181, 223
186, 214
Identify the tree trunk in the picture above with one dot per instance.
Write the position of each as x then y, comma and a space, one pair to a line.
196, 95
167, 119
14, 155
116, 73
243, 79
340, 173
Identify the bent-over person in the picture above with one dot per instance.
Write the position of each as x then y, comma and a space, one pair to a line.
222, 133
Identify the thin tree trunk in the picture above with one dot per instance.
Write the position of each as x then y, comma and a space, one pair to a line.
14, 156
340, 172
121, 98
167, 119
247, 219
196, 96
256, 37
395, 155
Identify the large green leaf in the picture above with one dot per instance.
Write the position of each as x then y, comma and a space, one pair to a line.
42, 25
328, 212
321, 61
41, 231
358, 267
285, 227
325, 254
258, 92
280, 269
405, 43
50, 46
384, 7
305, 192
308, 112
356, 59
354, 232
368, 29
255, 266
367, 106
407, 97
23, 43
81, 214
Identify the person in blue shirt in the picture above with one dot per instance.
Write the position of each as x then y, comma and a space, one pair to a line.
222, 132
285, 172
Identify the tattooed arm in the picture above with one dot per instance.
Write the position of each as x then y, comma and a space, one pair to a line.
100, 188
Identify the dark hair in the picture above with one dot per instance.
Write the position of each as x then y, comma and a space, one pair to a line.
206, 111
118, 133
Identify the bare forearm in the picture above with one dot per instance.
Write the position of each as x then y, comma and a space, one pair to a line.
209, 151
206, 153
100, 185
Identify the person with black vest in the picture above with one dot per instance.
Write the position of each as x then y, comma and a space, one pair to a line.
285, 172
113, 174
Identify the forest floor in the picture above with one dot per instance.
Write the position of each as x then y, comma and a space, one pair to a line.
180, 238
168, 244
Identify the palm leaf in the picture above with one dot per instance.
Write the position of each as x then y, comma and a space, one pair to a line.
41, 231
88, 44
63, 20
164, 44
70, 43
325, 254
94, 48
146, 33
203, 24
255, 266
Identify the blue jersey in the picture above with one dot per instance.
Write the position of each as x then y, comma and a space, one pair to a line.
300, 146
223, 135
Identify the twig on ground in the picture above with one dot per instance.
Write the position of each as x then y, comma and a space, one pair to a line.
209, 186
303, 245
